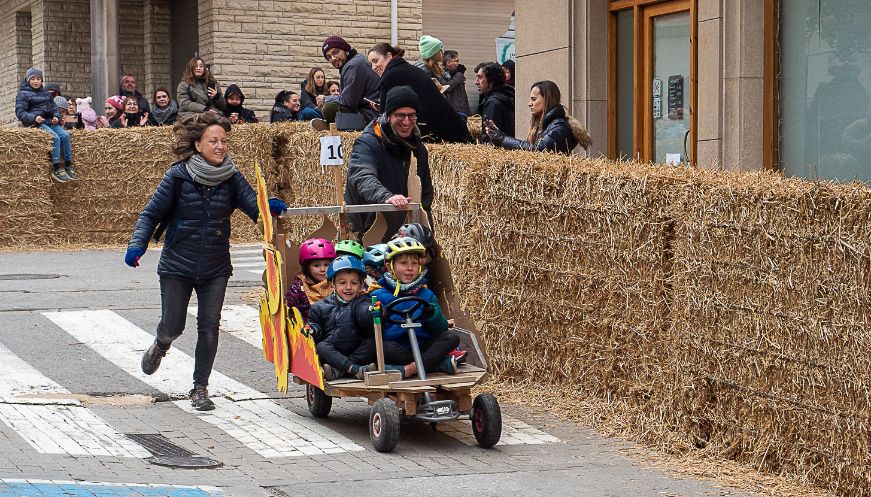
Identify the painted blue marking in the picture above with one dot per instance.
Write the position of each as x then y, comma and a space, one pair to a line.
71, 489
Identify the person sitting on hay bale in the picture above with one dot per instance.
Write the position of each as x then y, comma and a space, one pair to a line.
378, 168
341, 324
35, 107
196, 253
407, 276
132, 116
311, 284
551, 129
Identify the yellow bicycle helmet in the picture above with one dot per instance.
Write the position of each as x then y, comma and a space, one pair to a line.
404, 245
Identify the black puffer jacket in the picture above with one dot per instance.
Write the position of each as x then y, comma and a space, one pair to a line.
306, 99
197, 243
30, 103
559, 134
498, 106
344, 325
378, 169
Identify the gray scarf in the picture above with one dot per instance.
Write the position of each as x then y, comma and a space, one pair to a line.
207, 174
160, 115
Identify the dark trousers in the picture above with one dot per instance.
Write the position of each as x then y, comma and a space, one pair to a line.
343, 359
431, 351
175, 294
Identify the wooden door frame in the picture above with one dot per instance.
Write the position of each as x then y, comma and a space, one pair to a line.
643, 12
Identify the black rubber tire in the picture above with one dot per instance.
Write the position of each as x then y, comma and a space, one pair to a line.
319, 403
384, 421
486, 420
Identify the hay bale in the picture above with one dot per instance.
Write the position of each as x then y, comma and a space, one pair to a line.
26, 187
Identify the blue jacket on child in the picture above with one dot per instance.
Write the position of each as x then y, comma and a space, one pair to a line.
433, 325
30, 103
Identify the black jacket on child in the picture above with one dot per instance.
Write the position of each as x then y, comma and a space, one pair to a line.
344, 324
440, 118
246, 115
197, 243
30, 103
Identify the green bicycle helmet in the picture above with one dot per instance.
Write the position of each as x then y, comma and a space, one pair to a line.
349, 247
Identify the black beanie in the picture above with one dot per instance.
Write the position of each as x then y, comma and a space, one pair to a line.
401, 96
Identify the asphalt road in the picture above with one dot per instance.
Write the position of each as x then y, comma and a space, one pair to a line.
72, 328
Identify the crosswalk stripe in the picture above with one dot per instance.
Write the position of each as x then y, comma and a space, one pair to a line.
252, 271
260, 264
242, 321
249, 259
62, 426
256, 421
31, 487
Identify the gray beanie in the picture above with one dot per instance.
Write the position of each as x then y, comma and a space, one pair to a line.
61, 102
33, 71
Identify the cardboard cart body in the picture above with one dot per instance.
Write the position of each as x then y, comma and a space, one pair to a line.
433, 397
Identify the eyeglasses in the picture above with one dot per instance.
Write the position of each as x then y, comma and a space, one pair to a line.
334, 54
402, 117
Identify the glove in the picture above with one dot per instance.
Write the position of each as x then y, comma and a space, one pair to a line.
131, 258
497, 137
461, 68
277, 206
428, 311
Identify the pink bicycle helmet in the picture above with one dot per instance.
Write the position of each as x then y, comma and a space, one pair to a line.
316, 248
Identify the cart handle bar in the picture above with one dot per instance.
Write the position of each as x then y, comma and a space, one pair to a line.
414, 207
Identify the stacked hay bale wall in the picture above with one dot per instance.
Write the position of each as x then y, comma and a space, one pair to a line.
721, 310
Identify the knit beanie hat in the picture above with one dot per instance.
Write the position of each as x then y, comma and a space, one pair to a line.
335, 42
429, 46
33, 71
61, 102
53, 87
114, 101
401, 96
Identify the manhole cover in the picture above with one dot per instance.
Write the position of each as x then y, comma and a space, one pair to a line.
29, 276
190, 462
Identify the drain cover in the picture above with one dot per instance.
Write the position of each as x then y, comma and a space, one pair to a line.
167, 453
29, 276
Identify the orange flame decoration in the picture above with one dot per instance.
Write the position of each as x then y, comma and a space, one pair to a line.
273, 280
304, 363
281, 361
266, 327
263, 205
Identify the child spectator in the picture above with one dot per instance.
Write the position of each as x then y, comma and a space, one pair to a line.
164, 111
349, 247
35, 107
131, 117
112, 107
373, 259
235, 112
341, 324
405, 277
63, 106
311, 285
88, 117
53, 89
198, 91
333, 88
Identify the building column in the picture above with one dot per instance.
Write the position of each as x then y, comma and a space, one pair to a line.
104, 49
589, 71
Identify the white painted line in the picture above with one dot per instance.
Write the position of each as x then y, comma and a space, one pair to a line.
247, 251
514, 432
245, 414
205, 488
243, 321
249, 264
249, 259
57, 425
252, 271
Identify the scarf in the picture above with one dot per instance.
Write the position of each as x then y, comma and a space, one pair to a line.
314, 291
161, 115
204, 173
390, 282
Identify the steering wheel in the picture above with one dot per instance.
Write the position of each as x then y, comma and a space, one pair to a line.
407, 314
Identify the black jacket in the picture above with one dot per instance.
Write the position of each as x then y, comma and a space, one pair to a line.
246, 115
378, 170
436, 115
197, 243
557, 135
357, 80
282, 113
142, 101
306, 99
498, 106
342, 324
30, 103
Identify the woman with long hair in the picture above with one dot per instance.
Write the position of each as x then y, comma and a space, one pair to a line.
193, 203
198, 91
442, 122
313, 89
431, 57
550, 127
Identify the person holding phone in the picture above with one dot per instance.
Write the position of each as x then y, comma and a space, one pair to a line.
198, 91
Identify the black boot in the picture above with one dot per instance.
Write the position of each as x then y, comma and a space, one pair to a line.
200, 398
59, 174
151, 358
68, 167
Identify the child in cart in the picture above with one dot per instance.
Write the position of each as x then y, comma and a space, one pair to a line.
373, 259
341, 324
407, 276
349, 247
311, 284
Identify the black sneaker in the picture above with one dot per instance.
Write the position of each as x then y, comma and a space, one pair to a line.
151, 358
363, 369
71, 173
331, 373
200, 399
59, 174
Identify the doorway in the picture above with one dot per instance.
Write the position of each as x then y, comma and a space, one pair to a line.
652, 82
185, 37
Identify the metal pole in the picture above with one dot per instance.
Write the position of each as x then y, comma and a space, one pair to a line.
104, 50
394, 22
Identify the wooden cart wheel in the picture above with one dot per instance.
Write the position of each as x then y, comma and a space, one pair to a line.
486, 420
384, 425
319, 403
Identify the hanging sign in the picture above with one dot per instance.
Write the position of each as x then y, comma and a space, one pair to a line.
331, 151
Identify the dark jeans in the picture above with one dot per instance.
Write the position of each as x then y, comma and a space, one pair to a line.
343, 359
175, 294
431, 352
